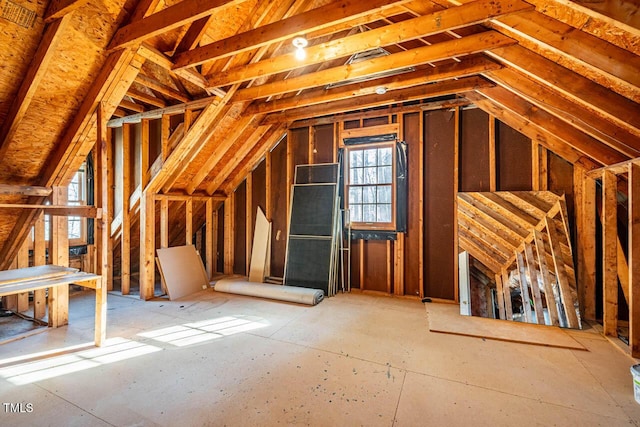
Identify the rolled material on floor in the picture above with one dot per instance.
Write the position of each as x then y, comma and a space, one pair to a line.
264, 290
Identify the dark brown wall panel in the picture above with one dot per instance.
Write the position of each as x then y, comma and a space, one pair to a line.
375, 121
240, 237
561, 182
513, 158
411, 125
299, 147
375, 265
474, 150
258, 191
220, 235
439, 223
155, 139
279, 208
323, 143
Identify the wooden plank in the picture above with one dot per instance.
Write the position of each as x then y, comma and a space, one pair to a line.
634, 259
39, 259
23, 262
210, 227
59, 295
587, 243
524, 289
398, 267
32, 78
464, 46
506, 289
161, 88
492, 154
456, 186
147, 245
144, 154
229, 238
125, 239
64, 210
298, 25
60, 8
248, 221
166, 20
24, 190
561, 275
188, 227
552, 307
533, 279
53, 282
500, 297
609, 253
164, 223
182, 271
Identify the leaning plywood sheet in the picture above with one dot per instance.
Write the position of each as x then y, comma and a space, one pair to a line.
182, 271
445, 318
260, 249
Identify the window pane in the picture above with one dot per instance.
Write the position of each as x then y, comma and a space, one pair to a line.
385, 156
384, 175
356, 176
356, 213
369, 194
74, 227
355, 195
74, 191
384, 194
371, 157
355, 158
384, 213
369, 213
371, 175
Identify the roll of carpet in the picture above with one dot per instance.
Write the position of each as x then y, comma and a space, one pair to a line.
276, 292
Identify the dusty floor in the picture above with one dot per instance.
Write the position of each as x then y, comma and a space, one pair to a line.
216, 359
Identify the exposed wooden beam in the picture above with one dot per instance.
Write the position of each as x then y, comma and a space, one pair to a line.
161, 88
454, 48
609, 253
154, 55
34, 75
24, 190
466, 67
447, 87
579, 116
611, 105
146, 98
61, 8
166, 20
57, 210
297, 25
167, 111
411, 29
131, 106
571, 136
193, 35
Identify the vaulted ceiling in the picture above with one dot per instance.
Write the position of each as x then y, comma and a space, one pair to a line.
565, 73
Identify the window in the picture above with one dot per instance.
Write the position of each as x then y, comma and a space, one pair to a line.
371, 185
76, 196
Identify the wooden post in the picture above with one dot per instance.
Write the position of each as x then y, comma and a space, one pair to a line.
164, 223
492, 154
39, 258
543, 169
164, 135
586, 242
125, 239
249, 222
500, 296
552, 307
389, 261
229, 235
188, 226
147, 245
398, 270
59, 295
609, 252
506, 289
634, 259
421, 209
144, 153
23, 261
524, 289
456, 160
533, 278
209, 229
104, 200
561, 274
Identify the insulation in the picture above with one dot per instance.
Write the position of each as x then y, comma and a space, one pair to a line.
276, 292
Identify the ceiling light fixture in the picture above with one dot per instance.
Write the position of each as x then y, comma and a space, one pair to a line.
381, 90
300, 43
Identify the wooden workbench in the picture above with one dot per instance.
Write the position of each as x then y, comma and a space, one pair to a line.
51, 276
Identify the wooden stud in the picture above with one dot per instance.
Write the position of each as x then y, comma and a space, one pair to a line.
506, 289
59, 295
500, 296
230, 233
165, 134
634, 259
533, 279
39, 258
125, 237
552, 307
164, 223
249, 222
609, 253
398, 268
144, 153
456, 161
493, 172
389, 263
22, 262
210, 228
420, 155
524, 289
188, 225
361, 263
147, 245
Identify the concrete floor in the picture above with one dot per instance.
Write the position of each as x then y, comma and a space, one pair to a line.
217, 359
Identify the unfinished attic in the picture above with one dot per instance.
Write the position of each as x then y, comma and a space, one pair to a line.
480, 153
